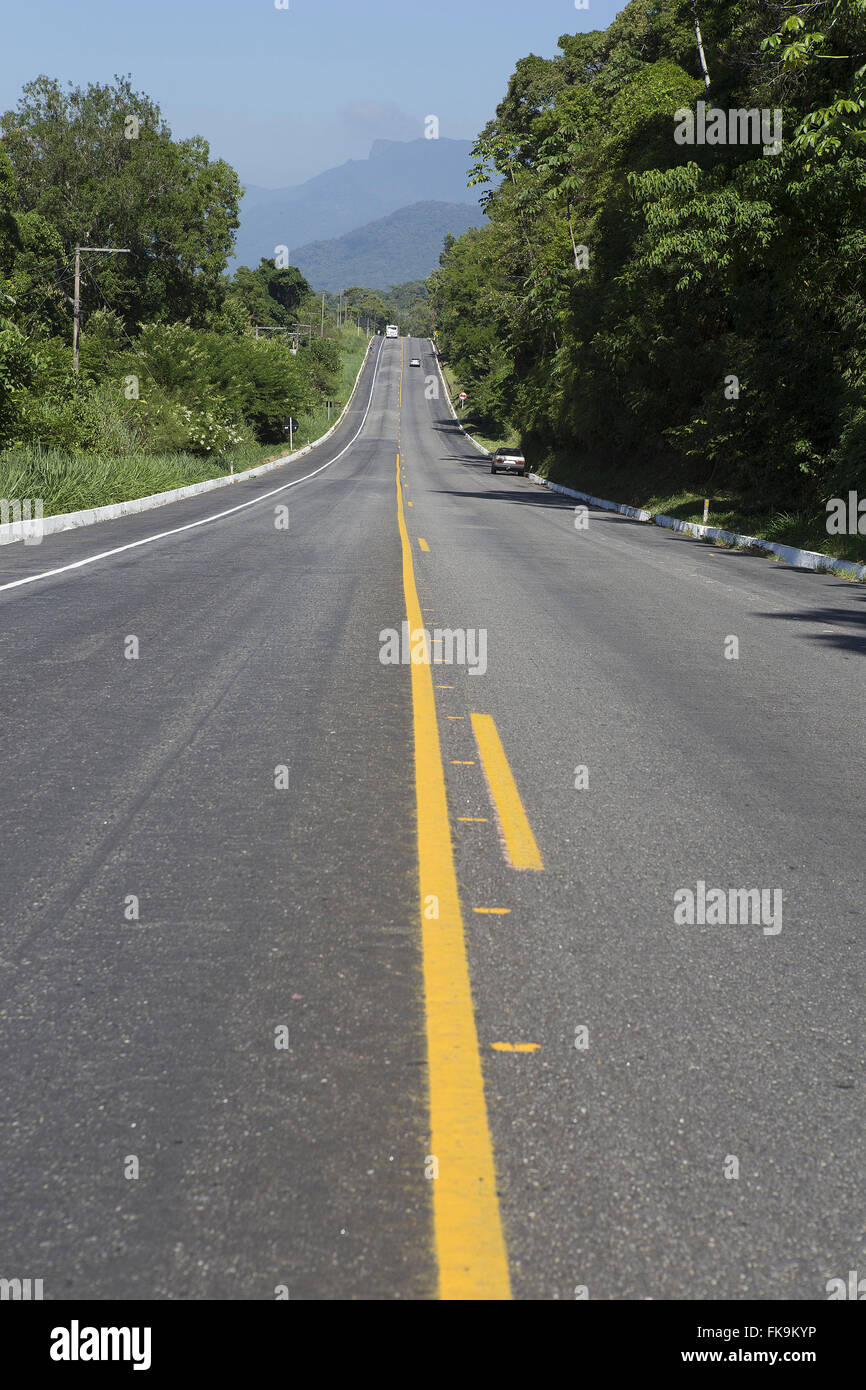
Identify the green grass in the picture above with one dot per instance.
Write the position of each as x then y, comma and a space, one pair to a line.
509, 440
315, 424
808, 532
72, 482
630, 484
67, 482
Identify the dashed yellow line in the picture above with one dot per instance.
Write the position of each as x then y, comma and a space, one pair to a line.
493, 911
521, 849
423, 544
516, 1047
470, 1245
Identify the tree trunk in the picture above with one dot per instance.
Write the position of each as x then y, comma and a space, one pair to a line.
701, 53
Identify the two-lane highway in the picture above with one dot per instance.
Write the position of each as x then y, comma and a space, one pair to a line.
251, 869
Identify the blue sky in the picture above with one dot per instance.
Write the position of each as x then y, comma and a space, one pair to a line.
284, 94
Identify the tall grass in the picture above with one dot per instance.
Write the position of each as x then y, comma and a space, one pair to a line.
121, 470
72, 482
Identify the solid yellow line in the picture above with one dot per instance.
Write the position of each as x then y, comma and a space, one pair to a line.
493, 911
515, 1047
521, 850
470, 1246
423, 544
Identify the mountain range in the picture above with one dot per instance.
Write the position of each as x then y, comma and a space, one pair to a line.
397, 176
404, 246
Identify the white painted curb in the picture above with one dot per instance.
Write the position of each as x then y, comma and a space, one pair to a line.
67, 521
479, 447
800, 559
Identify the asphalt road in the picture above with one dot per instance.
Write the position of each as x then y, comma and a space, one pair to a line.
656, 1057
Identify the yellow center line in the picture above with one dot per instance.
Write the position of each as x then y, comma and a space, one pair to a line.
476, 820
470, 1245
493, 911
521, 851
516, 1047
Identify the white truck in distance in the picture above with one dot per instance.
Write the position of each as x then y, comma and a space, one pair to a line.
392, 330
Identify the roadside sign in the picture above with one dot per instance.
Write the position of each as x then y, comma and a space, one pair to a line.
463, 396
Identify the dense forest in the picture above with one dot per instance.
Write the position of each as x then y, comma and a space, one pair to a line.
668, 295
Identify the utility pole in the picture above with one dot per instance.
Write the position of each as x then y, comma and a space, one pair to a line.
76, 303
76, 309
323, 313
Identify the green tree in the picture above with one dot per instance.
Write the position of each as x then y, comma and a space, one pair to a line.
99, 164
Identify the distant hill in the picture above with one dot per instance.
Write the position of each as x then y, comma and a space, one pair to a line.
403, 246
397, 174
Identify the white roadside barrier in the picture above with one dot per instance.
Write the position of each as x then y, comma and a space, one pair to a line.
67, 521
791, 554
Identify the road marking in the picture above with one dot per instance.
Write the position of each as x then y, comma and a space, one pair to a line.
445, 687
204, 521
455, 716
457, 762
423, 544
470, 1246
476, 820
493, 911
516, 1047
521, 850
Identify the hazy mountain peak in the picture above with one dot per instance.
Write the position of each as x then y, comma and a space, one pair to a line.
397, 174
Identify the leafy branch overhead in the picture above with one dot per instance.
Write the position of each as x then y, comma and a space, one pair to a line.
841, 122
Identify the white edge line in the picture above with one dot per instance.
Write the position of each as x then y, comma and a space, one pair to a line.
203, 521
12, 532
